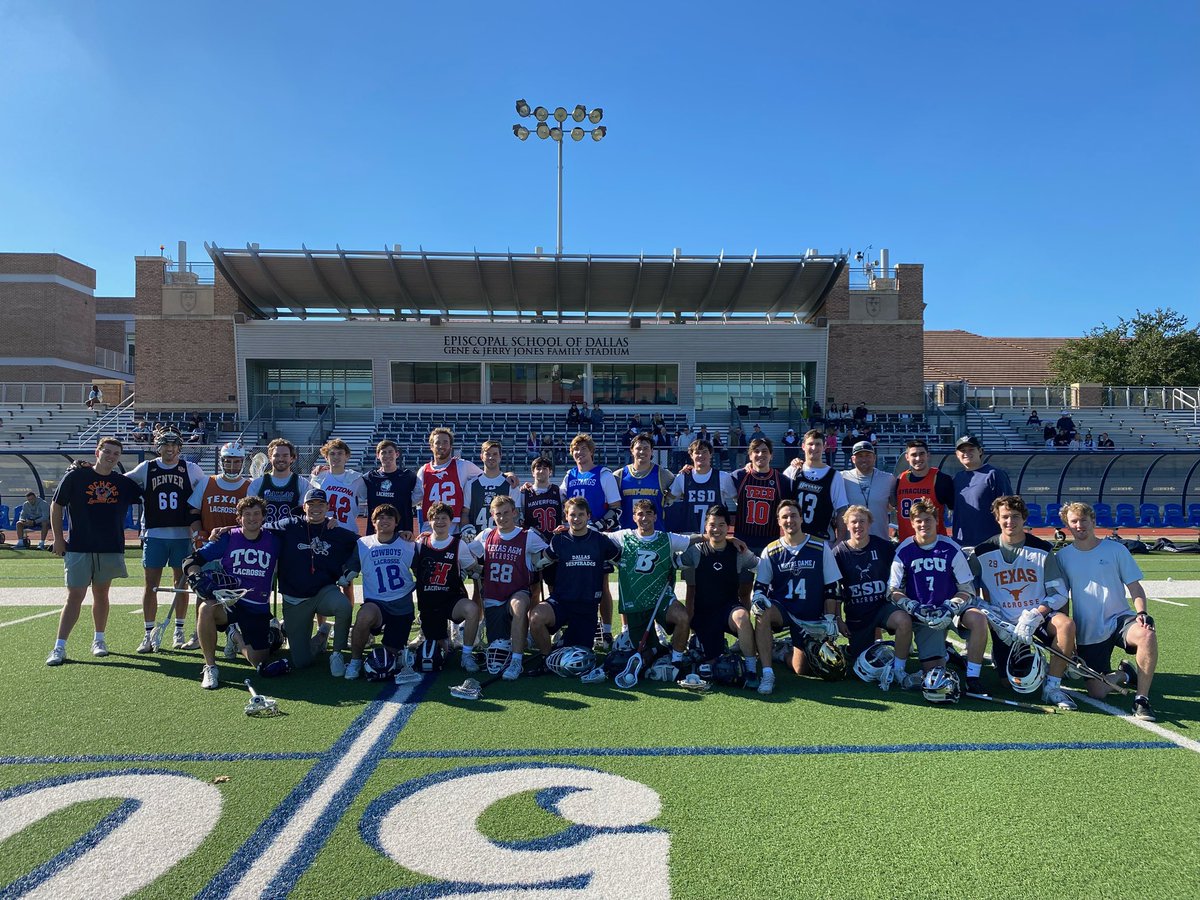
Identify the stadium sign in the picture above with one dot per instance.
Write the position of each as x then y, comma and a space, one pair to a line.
541, 345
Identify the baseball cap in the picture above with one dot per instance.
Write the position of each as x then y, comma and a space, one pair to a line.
861, 447
316, 494
967, 440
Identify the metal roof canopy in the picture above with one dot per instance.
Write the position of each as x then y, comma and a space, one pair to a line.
521, 287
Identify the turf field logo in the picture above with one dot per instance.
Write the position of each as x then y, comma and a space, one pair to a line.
430, 826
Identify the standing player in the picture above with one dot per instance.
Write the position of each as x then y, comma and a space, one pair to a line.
385, 561
167, 483
390, 483
819, 490
598, 487
444, 478
509, 556
699, 488
760, 490
1099, 573
345, 488
976, 487
642, 479
713, 571
796, 581
484, 488
96, 497
543, 504
250, 555
280, 487
1022, 585
442, 560
865, 561
921, 482
870, 487
931, 580
583, 555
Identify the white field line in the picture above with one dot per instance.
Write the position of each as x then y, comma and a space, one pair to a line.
1170, 602
1153, 727
49, 612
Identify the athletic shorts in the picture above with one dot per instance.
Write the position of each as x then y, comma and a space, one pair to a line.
639, 620
711, 625
436, 614
1099, 655
84, 569
34, 523
159, 553
254, 626
497, 599
862, 632
395, 627
578, 624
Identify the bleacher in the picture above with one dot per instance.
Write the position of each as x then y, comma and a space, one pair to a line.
1122, 515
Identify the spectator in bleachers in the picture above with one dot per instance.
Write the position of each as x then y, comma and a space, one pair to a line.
597, 418
95, 398
1034, 418
845, 414
656, 419
629, 434
199, 433
573, 417
816, 416
662, 446
758, 434
1048, 433
1065, 423
585, 418
860, 412
141, 434
635, 423
719, 449
1089, 442
1062, 440
737, 447
790, 439
975, 487
831, 447
533, 446
1105, 442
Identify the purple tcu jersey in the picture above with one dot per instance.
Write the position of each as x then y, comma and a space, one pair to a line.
251, 562
929, 574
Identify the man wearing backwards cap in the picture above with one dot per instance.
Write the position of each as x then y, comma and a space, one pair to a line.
870, 487
975, 487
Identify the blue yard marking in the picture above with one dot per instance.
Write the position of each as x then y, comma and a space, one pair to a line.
155, 758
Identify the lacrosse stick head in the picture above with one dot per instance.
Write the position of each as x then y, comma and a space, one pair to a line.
468, 690
260, 707
694, 682
628, 677
258, 464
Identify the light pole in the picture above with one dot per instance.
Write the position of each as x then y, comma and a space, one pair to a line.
555, 132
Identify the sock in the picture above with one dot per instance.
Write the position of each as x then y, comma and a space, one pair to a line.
751, 664
60, 644
1136, 697
973, 669
179, 623
149, 626
517, 657
98, 636
768, 670
1052, 682
606, 629
898, 666
676, 656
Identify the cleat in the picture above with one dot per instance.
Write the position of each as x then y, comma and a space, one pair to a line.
178, 640
353, 670
974, 686
337, 665
147, 644
469, 663
99, 648
208, 678
886, 676
57, 656
766, 684
1056, 697
193, 643
1143, 710
513, 671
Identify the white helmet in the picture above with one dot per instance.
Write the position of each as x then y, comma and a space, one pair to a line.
497, 656
872, 661
1026, 669
940, 685
566, 662
231, 457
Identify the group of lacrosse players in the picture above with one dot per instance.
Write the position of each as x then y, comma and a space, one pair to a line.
512, 575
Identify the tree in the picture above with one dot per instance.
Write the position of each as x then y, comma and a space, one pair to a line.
1152, 348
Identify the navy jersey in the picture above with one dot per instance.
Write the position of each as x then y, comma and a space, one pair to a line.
438, 571
480, 494
283, 500
633, 489
579, 566
815, 496
395, 488
543, 510
758, 498
795, 577
865, 576
696, 500
166, 496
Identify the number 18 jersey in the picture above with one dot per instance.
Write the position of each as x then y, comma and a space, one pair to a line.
387, 572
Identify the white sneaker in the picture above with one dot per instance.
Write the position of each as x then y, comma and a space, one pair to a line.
147, 644
193, 643
513, 671
208, 678
766, 683
469, 663
179, 640
1057, 697
233, 642
57, 656
337, 665
99, 648
886, 677
353, 670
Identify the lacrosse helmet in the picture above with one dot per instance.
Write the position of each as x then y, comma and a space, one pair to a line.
663, 670
826, 659
231, 458
275, 636
429, 656
566, 662
1026, 669
168, 434
940, 685
623, 642
729, 669
497, 656
216, 584
381, 664
933, 615
781, 649
871, 662
616, 660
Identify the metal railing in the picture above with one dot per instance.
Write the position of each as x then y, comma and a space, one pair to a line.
115, 420
193, 273
111, 359
866, 277
44, 393
1059, 396
1152, 397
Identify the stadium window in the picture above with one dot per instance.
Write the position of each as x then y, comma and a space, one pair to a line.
624, 385
432, 382
536, 382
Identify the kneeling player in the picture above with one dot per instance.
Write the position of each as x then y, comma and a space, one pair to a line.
713, 572
580, 556
932, 581
385, 561
796, 582
1023, 586
442, 560
249, 554
865, 561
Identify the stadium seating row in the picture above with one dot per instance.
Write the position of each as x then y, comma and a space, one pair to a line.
1124, 515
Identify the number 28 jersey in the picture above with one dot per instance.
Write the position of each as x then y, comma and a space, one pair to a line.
507, 561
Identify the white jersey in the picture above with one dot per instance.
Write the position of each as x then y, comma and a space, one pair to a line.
1018, 578
386, 569
1097, 579
347, 493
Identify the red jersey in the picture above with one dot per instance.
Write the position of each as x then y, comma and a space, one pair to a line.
441, 485
758, 499
505, 565
909, 491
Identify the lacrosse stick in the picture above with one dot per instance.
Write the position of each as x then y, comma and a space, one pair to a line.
694, 682
629, 676
1075, 666
258, 465
259, 706
1017, 703
472, 689
160, 629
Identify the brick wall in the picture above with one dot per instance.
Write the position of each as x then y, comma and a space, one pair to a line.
45, 318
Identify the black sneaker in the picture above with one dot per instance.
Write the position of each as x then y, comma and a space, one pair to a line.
1130, 672
1143, 710
956, 659
974, 686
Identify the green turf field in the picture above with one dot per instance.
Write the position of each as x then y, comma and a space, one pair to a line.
122, 771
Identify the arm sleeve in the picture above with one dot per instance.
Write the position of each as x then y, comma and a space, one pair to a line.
609, 483
1056, 584
832, 572
679, 542
747, 561
897, 578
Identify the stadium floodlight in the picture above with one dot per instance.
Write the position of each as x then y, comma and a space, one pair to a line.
558, 134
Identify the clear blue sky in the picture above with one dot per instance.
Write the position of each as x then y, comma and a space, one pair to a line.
1040, 158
